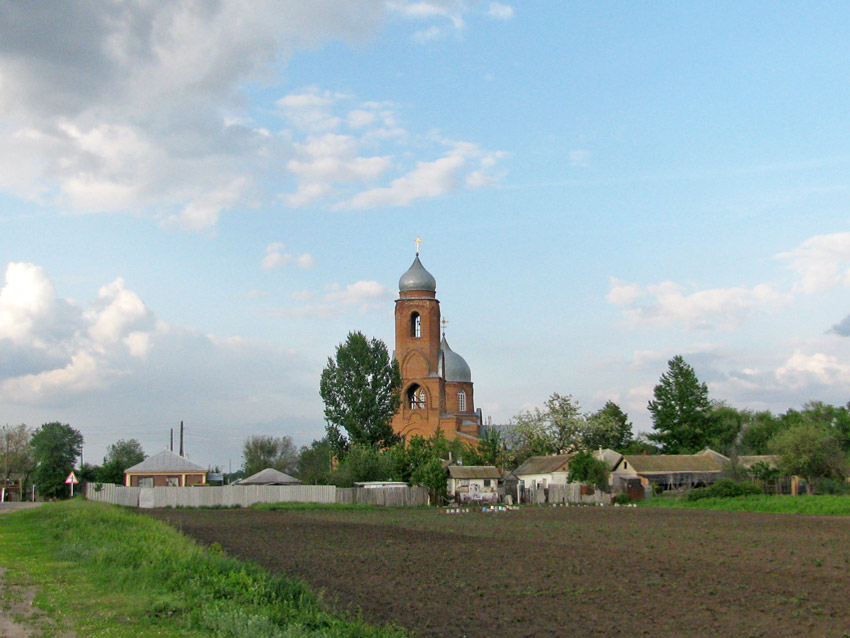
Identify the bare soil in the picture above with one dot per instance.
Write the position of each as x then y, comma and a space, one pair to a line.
556, 571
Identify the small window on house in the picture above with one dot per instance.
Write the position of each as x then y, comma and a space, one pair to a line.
486, 482
461, 401
172, 481
146, 481
625, 465
415, 325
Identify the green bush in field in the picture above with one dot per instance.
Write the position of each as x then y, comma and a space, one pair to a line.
621, 499
725, 488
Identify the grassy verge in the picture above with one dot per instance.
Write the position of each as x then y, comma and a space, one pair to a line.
824, 505
104, 571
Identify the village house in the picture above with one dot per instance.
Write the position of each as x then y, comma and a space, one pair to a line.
473, 483
669, 471
165, 469
545, 471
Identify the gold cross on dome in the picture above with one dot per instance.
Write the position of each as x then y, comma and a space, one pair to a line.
417, 241
445, 322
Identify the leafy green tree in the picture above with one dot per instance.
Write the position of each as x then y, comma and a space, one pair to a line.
640, 445
56, 447
361, 388
361, 463
315, 463
16, 458
680, 410
724, 427
757, 429
260, 451
434, 476
609, 427
528, 436
491, 449
119, 456
809, 450
586, 468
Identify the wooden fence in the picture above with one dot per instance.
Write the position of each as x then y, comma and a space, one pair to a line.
247, 495
570, 493
391, 496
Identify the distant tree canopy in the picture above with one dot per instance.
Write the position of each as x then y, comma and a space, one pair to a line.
361, 388
315, 462
563, 427
586, 468
810, 450
119, 456
261, 451
56, 447
16, 458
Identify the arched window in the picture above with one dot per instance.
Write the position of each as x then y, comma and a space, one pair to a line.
415, 325
416, 397
461, 401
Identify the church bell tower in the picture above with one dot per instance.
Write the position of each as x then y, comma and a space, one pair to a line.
436, 382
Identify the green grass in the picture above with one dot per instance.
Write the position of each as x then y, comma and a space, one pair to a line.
824, 505
101, 571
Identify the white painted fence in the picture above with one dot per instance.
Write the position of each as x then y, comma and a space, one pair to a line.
219, 496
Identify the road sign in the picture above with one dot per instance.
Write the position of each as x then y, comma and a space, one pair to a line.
72, 479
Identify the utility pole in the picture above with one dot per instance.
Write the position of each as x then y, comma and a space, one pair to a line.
171, 444
181, 438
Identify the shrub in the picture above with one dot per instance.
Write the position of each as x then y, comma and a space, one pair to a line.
725, 488
833, 486
621, 499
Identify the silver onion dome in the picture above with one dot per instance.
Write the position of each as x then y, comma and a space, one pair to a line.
453, 366
417, 278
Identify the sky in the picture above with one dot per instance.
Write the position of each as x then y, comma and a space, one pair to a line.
199, 200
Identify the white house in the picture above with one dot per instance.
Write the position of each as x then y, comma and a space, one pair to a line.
473, 483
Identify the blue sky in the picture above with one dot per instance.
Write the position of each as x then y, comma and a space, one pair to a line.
199, 200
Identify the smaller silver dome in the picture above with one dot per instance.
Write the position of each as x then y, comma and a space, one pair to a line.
454, 367
417, 278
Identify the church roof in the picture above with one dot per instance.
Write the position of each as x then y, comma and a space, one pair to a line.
417, 278
455, 368
166, 461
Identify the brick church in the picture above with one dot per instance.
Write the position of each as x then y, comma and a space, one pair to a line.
436, 389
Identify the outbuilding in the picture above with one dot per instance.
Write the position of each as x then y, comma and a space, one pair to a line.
473, 483
269, 476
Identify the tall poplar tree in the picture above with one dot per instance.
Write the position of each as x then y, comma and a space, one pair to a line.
361, 388
680, 410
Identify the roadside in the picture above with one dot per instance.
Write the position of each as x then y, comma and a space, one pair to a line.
14, 506
16, 605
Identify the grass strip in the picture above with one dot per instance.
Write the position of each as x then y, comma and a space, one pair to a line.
819, 504
101, 570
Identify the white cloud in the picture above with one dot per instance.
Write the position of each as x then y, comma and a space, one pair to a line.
579, 158
58, 348
276, 257
668, 303
305, 261
821, 262
138, 107
363, 296
464, 163
500, 11
801, 370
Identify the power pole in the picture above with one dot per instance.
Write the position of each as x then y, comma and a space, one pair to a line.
171, 444
181, 438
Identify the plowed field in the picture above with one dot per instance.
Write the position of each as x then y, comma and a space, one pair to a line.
556, 571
